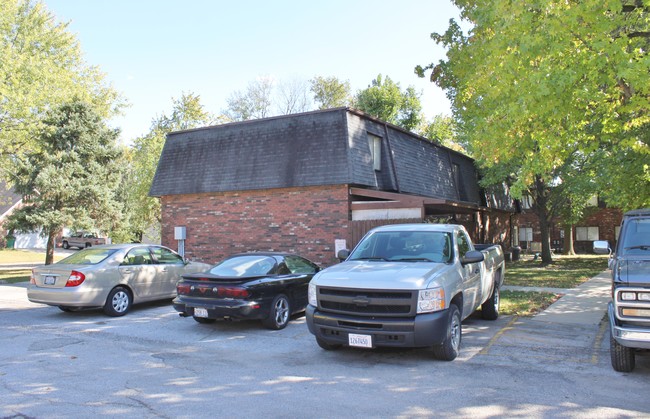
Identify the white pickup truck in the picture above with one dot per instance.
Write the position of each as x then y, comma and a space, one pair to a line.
406, 285
82, 239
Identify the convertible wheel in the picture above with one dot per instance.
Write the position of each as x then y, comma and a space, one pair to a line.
280, 313
203, 320
118, 302
449, 349
490, 308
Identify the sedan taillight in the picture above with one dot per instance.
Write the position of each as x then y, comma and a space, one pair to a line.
75, 279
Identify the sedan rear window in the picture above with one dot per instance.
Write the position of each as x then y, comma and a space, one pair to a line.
90, 256
244, 266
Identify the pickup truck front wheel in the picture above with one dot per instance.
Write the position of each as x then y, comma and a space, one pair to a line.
449, 349
622, 357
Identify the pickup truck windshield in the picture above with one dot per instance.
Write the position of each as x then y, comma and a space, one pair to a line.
405, 246
637, 237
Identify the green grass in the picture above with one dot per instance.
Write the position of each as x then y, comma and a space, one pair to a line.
12, 276
563, 272
23, 256
525, 303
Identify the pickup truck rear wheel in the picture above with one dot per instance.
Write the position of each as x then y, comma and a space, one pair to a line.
622, 356
449, 349
490, 308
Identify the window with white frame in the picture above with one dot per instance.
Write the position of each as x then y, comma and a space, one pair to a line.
593, 201
526, 202
586, 233
525, 234
374, 143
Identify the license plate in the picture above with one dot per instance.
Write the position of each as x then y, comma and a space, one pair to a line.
200, 312
50, 280
362, 341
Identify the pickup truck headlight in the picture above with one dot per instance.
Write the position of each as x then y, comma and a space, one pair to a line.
431, 300
311, 295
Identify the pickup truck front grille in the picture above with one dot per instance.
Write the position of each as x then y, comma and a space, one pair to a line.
367, 302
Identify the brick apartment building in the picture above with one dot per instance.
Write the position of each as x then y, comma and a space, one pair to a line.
599, 223
314, 182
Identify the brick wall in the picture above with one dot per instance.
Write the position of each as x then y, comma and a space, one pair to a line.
606, 219
305, 221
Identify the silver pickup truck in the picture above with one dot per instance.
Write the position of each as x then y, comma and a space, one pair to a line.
406, 285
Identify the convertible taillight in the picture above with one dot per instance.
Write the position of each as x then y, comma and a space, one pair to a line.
75, 279
233, 292
182, 289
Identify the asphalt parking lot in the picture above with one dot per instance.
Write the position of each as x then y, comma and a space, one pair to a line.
154, 364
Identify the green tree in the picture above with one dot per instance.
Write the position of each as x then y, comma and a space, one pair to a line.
143, 210
442, 130
71, 179
330, 92
253, 103
385, 100
537, 85
41, 67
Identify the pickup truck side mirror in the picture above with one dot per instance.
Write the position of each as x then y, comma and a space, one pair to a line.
473, 256
343, 254
601, 247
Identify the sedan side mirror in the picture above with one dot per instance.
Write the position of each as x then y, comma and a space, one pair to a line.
473, 256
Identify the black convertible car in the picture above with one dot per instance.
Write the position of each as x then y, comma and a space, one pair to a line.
267, 286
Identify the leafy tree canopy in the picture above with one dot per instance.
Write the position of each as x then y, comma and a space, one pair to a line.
71, 178
330, 92
540, 86
385, 100
41, 67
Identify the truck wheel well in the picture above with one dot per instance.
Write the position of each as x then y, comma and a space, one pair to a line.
458, 302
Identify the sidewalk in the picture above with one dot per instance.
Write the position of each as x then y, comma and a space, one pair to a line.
585, 305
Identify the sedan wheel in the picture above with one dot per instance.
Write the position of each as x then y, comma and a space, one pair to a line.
280, 313
118, 302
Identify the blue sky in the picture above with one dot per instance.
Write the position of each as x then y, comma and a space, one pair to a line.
153, 50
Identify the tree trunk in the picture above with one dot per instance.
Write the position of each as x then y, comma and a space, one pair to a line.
568, 240
49, 252
541, 208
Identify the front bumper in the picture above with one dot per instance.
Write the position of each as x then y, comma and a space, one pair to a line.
409, 332
630, 336
223, 309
